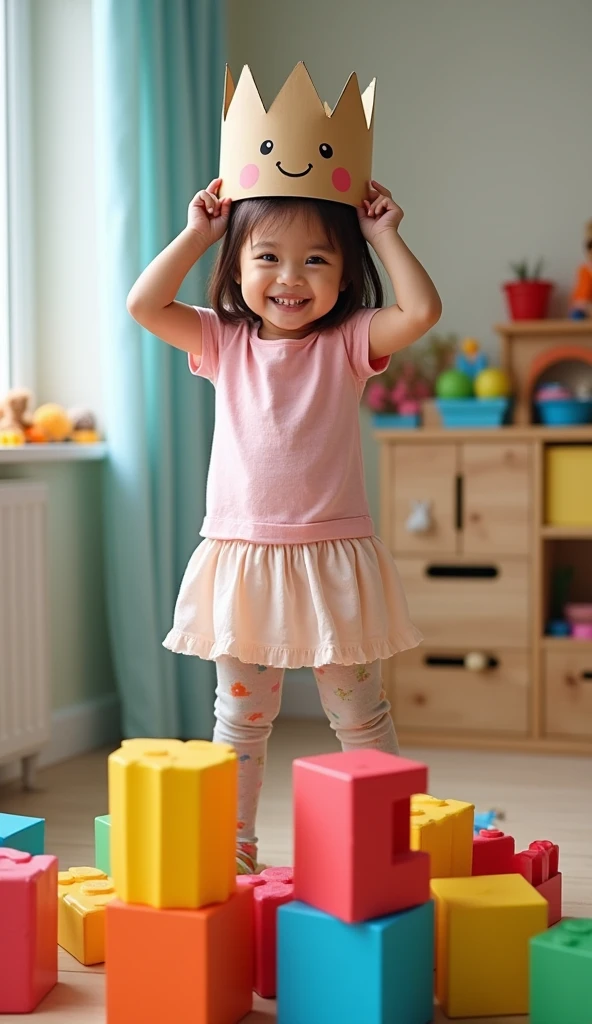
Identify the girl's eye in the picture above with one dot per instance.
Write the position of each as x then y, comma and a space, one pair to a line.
268, 257
315, 259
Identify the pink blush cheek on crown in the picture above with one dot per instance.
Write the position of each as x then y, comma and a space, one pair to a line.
341, 179
249, 176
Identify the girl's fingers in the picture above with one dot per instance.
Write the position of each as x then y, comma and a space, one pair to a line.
214, 186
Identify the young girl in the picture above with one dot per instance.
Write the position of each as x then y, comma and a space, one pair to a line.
289, 572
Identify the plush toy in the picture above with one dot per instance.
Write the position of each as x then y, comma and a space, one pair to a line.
53, 422
14, 411
84, 426
9, 438
470, 359
581, 296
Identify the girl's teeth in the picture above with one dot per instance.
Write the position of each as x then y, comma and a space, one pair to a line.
289, 302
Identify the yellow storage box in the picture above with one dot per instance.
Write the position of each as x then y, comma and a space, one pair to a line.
568, 477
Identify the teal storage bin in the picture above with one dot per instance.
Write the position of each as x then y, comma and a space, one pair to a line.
473, 413
392, 421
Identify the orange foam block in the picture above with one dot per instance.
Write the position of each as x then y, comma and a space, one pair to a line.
271, 889
28, 929
182, 966
352, 834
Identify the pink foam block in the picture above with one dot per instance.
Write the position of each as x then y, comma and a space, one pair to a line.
493, 853
272, 888
551, 891
28, 929
352, 833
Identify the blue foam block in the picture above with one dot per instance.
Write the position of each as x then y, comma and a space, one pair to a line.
377, 972
22, 833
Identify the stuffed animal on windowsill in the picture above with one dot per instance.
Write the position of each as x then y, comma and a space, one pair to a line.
15, 418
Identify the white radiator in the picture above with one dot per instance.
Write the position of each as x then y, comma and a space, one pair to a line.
24, 607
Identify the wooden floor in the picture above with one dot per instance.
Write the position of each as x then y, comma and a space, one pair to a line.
543, 798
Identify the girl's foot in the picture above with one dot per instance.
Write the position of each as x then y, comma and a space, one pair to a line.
246, 859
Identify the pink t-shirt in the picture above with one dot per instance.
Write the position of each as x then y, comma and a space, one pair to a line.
286, 464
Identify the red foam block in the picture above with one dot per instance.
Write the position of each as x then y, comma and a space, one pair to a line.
272, 888
539, 863
28, 929
352, 834
493, 853
551, 891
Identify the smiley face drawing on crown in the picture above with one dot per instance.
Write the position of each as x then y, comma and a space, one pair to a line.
300, 147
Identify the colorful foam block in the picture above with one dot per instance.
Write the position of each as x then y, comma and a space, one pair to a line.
173, 809
83, 894
367, 795
271, 889
552, 891
377, 972
28, 929
539, 862
493, 853
561, 974
103, 843
183, 966
483, 927
452, 856
21, 833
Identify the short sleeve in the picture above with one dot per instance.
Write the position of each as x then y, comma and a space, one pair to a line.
207, 364
356, 333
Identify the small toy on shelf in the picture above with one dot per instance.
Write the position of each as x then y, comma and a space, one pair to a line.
396, 396
527, 296
53, 422
15, 418
558, 407
581, 296
470, 359
481, 400
84, 426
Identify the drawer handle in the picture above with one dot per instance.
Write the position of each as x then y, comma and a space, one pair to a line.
455, 661
462, 572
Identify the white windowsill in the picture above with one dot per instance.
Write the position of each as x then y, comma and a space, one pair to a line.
68, 452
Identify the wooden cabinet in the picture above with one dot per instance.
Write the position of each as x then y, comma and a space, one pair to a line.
478, 497
479, 582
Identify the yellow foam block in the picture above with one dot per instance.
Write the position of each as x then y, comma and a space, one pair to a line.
83, 894
483, 927
444, 829
173, 808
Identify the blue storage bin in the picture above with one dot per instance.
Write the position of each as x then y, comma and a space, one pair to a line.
565, 412
473, 412
391, 420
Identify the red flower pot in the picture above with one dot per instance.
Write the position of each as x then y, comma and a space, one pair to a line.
528, 300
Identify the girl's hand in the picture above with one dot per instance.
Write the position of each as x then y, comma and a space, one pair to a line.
207, 216
379, 214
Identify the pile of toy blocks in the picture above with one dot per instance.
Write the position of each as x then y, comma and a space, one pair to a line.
380, 869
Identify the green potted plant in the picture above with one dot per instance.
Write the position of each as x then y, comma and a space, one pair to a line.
528, 296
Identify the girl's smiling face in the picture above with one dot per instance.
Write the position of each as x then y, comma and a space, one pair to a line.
290, 275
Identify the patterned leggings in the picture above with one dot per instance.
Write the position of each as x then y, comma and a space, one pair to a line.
248, 699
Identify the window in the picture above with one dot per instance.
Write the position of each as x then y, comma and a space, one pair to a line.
16, 198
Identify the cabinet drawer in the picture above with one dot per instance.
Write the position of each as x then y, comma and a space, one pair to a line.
478, 603
430, 694
568, 693
428, 474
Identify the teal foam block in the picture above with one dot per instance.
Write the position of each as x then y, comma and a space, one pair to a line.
376, 972
22, 833
103, 843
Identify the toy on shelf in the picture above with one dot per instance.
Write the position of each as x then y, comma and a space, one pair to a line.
28, 929
397, 395
557, 406
472, 393
53, 422
84, 426
15, 418
580, 307
528, 296
470, 359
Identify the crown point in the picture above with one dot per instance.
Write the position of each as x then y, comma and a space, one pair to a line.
368, 98
298, 93
228, 90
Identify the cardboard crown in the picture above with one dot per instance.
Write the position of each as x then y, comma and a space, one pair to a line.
299, 147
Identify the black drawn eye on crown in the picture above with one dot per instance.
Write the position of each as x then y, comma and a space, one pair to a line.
326, 150
266, 147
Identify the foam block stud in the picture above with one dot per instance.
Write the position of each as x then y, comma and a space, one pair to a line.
352, 833
456, 820
483, 928
28, 929
173, 809
539, 865
182, 966
83, 894
103, 843
493, 853
561, 974
21, 833
271, 889
377, 972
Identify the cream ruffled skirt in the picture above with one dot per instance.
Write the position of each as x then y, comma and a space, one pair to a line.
338, 601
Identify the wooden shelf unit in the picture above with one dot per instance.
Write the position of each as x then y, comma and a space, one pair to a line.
478, 581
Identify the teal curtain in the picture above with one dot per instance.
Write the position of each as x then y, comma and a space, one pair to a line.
158, 76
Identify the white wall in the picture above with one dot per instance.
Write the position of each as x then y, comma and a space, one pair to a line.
68, 364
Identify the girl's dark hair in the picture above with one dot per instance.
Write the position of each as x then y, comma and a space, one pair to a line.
343, 231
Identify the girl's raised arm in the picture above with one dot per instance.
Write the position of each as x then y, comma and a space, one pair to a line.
152, 299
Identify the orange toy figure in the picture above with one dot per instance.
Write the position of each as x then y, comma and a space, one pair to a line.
581, 297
